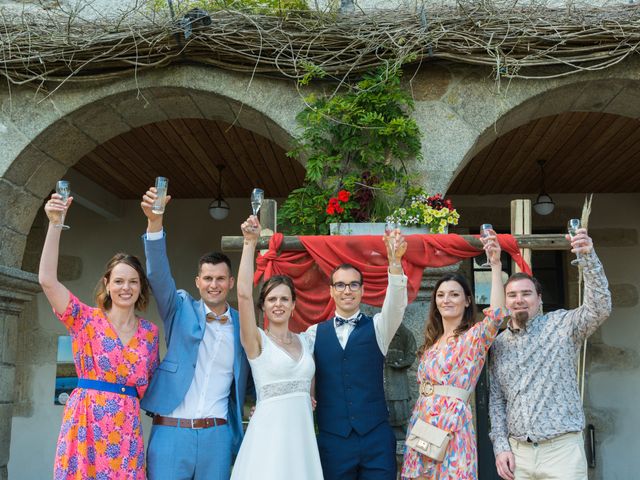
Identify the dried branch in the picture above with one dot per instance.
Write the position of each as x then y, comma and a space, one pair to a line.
515, 41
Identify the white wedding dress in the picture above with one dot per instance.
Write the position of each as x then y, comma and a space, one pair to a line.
280, 443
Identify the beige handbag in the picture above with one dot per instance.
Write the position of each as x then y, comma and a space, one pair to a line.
429, 440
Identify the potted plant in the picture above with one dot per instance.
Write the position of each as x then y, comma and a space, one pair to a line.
356, 143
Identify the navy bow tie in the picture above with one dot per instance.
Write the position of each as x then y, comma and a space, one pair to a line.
351, 321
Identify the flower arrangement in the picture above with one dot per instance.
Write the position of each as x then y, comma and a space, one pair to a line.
433, 211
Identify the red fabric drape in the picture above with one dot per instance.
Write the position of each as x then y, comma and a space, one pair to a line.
310, 269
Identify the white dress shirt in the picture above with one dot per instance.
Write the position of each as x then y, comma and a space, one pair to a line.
208, 394
385, 323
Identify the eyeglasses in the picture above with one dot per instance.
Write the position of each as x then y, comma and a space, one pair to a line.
353, 286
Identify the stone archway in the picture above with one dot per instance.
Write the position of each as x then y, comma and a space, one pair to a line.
612, 96
41, 138
47, 138
462, 109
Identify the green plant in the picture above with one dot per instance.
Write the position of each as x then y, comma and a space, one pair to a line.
433, 211
355, 141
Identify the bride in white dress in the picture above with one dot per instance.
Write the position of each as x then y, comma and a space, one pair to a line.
280, 443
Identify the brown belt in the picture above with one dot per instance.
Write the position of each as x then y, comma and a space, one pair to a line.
194, 423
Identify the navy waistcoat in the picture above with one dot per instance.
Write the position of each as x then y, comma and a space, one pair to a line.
349, 382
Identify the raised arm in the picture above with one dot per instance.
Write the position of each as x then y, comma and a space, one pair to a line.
154, 220
492, 248
596, 307
386, 323
249, 334
158, 269
56, 292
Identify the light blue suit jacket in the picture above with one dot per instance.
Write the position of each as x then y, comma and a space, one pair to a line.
184, 327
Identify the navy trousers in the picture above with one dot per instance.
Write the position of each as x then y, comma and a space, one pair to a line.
359, 457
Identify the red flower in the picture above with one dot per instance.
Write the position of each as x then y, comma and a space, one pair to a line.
331, 210
333, 201
339, 209
343, 195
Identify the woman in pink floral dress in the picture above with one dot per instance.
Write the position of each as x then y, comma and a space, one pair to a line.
453, 355
115, 353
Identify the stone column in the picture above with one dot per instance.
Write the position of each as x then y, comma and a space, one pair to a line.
16, 289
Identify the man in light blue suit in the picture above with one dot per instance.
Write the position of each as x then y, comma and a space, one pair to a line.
197, 393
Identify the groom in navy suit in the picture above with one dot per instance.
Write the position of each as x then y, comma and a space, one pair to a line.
356, 441
197, 393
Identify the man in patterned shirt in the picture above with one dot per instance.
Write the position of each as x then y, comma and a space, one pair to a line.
535, 406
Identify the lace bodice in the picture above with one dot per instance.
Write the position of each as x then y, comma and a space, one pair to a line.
276, 373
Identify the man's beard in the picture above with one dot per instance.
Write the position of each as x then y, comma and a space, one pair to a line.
521, 318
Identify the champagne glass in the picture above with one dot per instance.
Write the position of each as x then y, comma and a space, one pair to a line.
257, 197
572, 228
63, 188
485, 231
390, 229
162, 185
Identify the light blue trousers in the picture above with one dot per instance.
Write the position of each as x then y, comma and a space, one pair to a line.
189, 454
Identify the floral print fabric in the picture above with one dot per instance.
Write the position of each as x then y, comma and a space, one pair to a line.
101, 433
459, 364
533, 386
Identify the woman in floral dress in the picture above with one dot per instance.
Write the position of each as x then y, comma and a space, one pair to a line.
453, 355
115, 353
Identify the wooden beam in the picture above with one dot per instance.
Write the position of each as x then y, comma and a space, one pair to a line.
521, 225
554, 241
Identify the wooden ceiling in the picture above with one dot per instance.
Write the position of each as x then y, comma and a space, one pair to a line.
187, 152
584, 152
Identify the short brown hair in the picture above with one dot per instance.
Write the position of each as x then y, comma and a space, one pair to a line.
525, 276
102, 297
214, 258
345, 266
